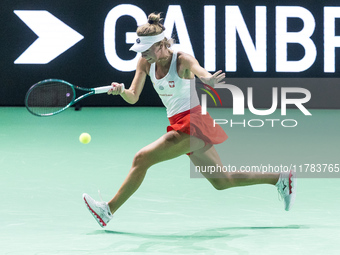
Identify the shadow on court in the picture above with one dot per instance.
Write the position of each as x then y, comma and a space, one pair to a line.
208, 241
204, 234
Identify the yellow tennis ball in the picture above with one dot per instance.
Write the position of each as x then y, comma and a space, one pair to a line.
84, 138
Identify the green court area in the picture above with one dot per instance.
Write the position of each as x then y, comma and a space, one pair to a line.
44, 170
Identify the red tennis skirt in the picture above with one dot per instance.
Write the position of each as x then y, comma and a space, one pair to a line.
192, 122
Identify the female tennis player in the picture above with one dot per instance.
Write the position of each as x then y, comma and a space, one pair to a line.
172, 74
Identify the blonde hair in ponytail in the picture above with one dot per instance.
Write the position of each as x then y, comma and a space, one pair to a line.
154, 27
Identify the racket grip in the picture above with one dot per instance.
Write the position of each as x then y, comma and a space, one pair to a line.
105, 89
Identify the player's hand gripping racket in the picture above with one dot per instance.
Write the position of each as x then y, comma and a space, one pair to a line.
52, 96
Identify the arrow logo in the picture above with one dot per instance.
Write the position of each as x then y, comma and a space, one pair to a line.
54, 37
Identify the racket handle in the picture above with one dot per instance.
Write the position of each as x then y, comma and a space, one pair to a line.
105, 89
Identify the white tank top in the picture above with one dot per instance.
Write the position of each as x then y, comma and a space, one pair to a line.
177, 94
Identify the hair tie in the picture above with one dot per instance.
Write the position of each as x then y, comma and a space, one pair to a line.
150, 21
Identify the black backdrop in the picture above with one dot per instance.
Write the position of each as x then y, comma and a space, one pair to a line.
85, 63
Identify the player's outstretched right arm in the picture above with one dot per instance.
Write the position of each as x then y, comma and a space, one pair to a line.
132, 94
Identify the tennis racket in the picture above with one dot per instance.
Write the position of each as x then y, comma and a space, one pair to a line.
52, 96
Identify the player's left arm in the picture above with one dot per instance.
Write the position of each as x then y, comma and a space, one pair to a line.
190, 63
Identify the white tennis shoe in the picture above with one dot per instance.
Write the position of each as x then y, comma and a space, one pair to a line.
100, 210
286, 186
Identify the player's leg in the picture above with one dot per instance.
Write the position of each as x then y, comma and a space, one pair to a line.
285, 182
208, 156
169, 146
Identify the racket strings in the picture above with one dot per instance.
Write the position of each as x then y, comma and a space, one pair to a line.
49, 98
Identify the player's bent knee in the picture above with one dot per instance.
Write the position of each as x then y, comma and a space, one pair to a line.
218, 186
144, 159
220, 183
140, 158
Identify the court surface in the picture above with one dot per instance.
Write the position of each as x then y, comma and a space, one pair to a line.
44, 170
